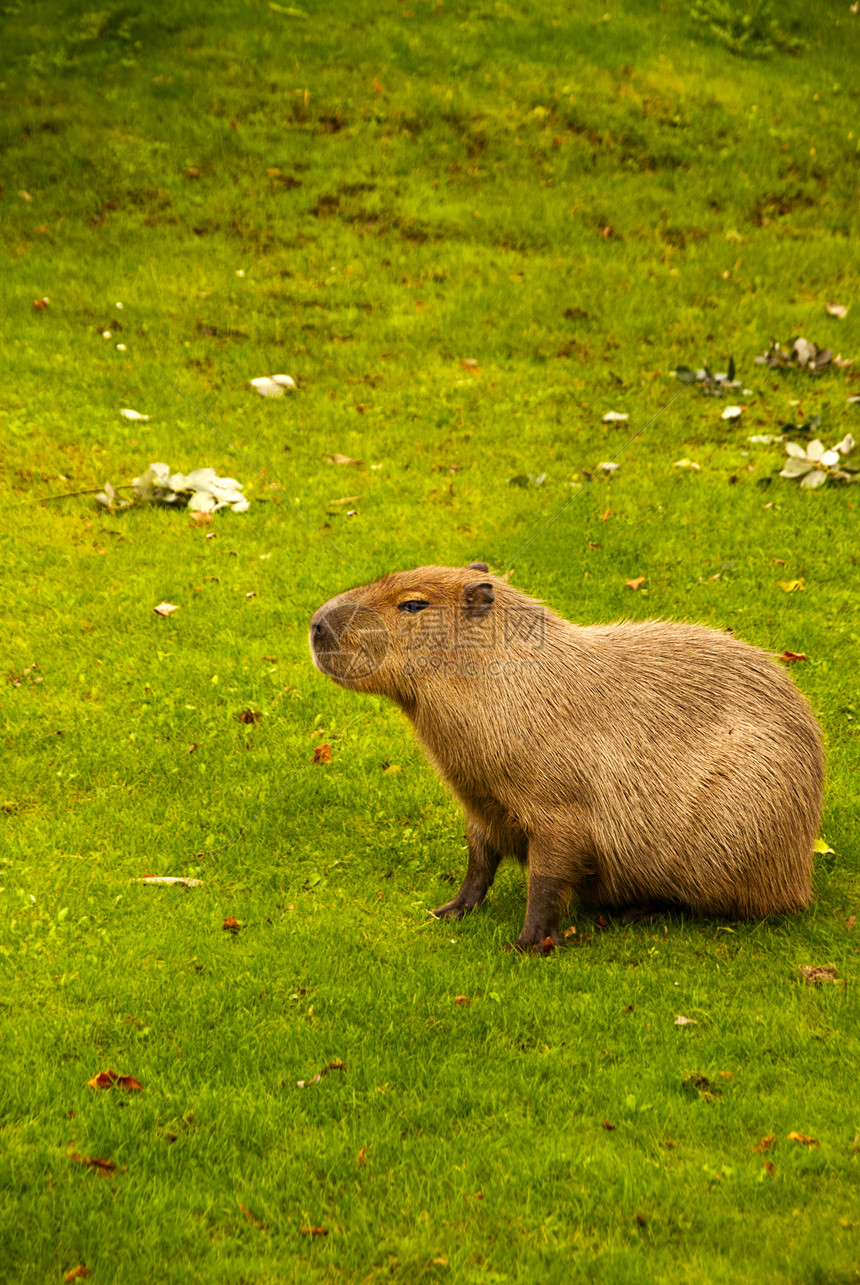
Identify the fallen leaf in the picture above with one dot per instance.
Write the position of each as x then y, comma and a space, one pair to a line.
769, 1166
330, 1066
94, 1162
609, 466
837, 310
727, 1075
109, 1079
322, 754
361, 1158
821, 847
546, 947
685, 1021
250, 716
791, 586
732, 412
181, 881
803, 1138
274, 385
570, 931
688, 464
201, 519
76, 1273
165, 609
191, 171
608, 1125
346, 499
850, 922
814, 974
636, 583
25, 196
315, 1231
469, 363
41, 303
463, 1001
377, 87
615, 417
341, 459
793, 657
768, 1141
231, 924
606, 516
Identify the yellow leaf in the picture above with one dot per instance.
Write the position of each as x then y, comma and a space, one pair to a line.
791, 585
820, 845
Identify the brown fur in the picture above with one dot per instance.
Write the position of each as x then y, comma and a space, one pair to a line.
632, 764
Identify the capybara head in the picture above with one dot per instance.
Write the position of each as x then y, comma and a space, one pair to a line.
387, 636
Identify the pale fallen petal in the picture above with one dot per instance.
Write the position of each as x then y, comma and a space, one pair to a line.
614, 417
165, 609
815, 449
814, 479
689, 464
765, 439
685, 1021
274, 385
127, 413
837, 310
847, 444
732, 412
608, 467
181, 881
792, 448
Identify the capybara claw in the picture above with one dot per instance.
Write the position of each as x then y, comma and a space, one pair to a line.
453, 910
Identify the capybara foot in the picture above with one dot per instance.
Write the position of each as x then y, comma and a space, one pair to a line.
457, 908
527, 944
642, 915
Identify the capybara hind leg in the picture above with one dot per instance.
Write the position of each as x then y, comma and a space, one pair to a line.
644, 914
481, 871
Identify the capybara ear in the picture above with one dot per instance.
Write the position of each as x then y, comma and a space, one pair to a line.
477, 566
479, 599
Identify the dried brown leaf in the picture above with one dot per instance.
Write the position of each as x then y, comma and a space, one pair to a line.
793, 657
361, 1158
607, 1124
804, 1139
636, 583
767, 1142
341, 459
250, 716
850, 922
231, 924
322, 754
94, 1162
77, 1273
463, 1001
314, 1231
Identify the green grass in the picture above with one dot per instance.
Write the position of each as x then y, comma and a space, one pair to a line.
456, 208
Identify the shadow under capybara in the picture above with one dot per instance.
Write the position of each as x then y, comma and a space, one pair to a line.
638, 765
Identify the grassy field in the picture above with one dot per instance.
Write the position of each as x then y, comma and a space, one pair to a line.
571, 200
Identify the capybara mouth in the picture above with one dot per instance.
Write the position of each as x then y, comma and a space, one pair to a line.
349, 641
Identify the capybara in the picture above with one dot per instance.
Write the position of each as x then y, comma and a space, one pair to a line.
639, 765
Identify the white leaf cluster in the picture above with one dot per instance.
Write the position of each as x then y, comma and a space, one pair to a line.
813, 466
202, 489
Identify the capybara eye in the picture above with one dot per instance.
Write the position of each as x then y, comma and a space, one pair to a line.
413, 605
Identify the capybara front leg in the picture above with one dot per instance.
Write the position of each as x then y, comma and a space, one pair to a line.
481, 871
554, 870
